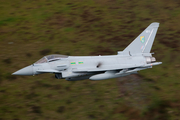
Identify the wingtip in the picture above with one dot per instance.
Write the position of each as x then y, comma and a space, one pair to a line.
154, 24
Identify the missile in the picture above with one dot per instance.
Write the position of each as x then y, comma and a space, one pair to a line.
108, 75
130, 71
124, 72
102, 76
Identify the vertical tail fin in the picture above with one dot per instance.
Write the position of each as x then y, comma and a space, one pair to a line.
144, 42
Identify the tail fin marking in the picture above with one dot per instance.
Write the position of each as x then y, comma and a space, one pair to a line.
143, 43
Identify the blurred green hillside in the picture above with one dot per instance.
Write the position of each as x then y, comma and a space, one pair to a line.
31, 29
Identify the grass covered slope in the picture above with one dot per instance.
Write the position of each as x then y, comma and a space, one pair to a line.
30, 30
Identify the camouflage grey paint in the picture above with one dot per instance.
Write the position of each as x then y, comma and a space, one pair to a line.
143, 43
132, 59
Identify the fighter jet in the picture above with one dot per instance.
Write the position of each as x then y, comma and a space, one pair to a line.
135, 57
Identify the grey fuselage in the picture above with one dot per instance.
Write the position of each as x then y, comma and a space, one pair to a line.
135, 57
84, 67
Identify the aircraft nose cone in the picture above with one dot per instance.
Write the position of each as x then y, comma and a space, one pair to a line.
24, 71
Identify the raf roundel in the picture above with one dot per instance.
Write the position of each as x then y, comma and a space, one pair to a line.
142, 39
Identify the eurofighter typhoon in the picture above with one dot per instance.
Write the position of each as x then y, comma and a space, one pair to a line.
132, 59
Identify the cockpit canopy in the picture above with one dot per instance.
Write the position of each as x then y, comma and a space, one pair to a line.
50, 58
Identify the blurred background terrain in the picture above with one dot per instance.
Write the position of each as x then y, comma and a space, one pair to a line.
31, 29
